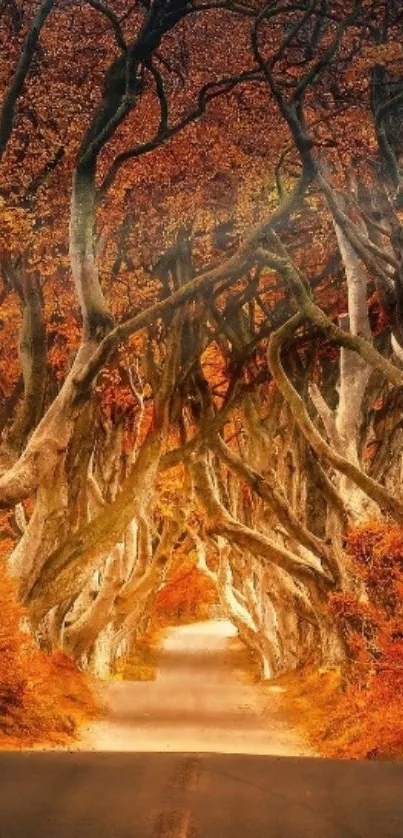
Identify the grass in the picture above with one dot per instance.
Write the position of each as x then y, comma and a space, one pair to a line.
52, 713
342, 721
305, 699
310, 699
141, 664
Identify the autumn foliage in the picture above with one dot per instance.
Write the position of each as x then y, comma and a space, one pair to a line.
358, 713
187, 595
201, 286
43, 698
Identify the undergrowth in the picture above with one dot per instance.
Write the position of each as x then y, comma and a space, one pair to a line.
358, 713
44, 699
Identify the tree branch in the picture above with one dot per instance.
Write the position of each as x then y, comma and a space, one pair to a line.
369, 486
7, 113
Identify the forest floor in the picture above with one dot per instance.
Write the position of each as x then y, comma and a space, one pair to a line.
201, 700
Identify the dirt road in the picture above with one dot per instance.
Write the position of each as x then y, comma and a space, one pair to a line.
198, 703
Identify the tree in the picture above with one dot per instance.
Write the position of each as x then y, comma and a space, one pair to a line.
225, 320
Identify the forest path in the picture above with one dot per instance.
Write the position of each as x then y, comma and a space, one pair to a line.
198, 703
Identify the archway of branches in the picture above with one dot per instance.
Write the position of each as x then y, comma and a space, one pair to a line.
201, 250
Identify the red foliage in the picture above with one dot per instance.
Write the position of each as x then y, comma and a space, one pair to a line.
372, 626
187, 596
43, 698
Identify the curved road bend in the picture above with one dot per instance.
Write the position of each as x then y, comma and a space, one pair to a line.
146, 785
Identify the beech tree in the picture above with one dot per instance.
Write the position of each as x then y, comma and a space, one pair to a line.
222, 183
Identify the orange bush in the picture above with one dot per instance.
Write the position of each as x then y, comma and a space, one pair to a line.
187, 596
367, 718
43, 698
373, 625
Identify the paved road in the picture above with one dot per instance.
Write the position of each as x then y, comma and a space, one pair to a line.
198, 702
95, 795
173, 785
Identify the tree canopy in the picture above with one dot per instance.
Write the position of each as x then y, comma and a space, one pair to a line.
201, 294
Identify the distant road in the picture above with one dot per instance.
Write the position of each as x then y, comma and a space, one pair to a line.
96, 795
197, 703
